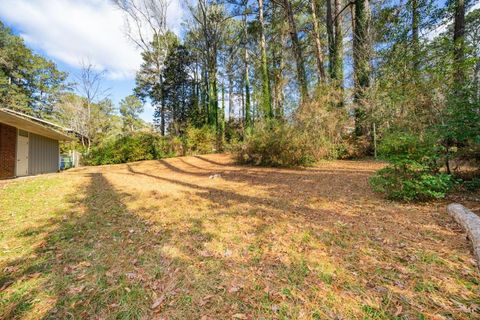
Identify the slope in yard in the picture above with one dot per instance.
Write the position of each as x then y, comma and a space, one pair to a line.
202, 238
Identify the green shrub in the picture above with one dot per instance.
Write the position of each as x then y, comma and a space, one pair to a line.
134, 147
401, 146
410, 185
413, 170
149, 146
275, 144
200, 140
472, 185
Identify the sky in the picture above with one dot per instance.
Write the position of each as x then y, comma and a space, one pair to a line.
71, 31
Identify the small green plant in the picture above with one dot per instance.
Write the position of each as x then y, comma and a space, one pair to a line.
472, 185
413, 170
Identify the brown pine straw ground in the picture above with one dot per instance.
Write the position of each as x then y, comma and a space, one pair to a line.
168, 240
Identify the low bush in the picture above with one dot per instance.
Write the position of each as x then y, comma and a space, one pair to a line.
472, 185
133, 147
402, 184
413, 170
200, 140
275, 144
315, 133
149, 146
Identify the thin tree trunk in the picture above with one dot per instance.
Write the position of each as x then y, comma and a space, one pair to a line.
318, 45
331, 39
297, 51
89, 121
242, 101
213, 90
281, 83
415, 37
248, 120
362, 61
205, 96
222, 119
278, 81
230, 96
459, 41
162, 119
266, 94
337, 72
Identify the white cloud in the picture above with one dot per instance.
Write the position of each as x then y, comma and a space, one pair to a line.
71, 31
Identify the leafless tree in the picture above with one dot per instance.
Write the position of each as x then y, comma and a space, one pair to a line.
90, 86
146, 22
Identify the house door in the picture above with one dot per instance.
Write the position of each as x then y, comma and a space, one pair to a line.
22, 153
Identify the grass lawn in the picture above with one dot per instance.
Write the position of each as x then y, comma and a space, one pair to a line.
166, 240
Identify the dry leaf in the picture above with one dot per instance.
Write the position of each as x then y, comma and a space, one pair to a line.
157, 302
398, 311
76, 290
205, 299
233, 289
239, 316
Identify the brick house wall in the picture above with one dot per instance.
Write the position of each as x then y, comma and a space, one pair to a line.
8, 143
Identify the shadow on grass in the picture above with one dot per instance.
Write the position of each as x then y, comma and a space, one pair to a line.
100, 260
103, 260
91, 264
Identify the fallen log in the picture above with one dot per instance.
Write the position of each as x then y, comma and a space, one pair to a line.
471, 223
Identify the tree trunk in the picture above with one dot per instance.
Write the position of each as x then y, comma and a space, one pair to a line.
415, 37
297, 51
337, 72
248, 120
230, 96
162, 119
278, 77
277, 52
362, 61
318, 45
476, 79
331, 39
459, 41
213, 91
266, 95
205, 95
222, 121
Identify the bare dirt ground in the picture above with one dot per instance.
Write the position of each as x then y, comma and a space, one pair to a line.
202, 238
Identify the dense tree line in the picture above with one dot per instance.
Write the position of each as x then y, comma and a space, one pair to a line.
389, 63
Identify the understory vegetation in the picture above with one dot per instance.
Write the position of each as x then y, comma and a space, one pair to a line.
315, 132
151, 146
413, 170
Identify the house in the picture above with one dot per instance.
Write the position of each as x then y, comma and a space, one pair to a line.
28, 145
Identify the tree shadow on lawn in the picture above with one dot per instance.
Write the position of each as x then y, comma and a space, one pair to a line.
295, 183
101, 260
391, 249
276, 259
